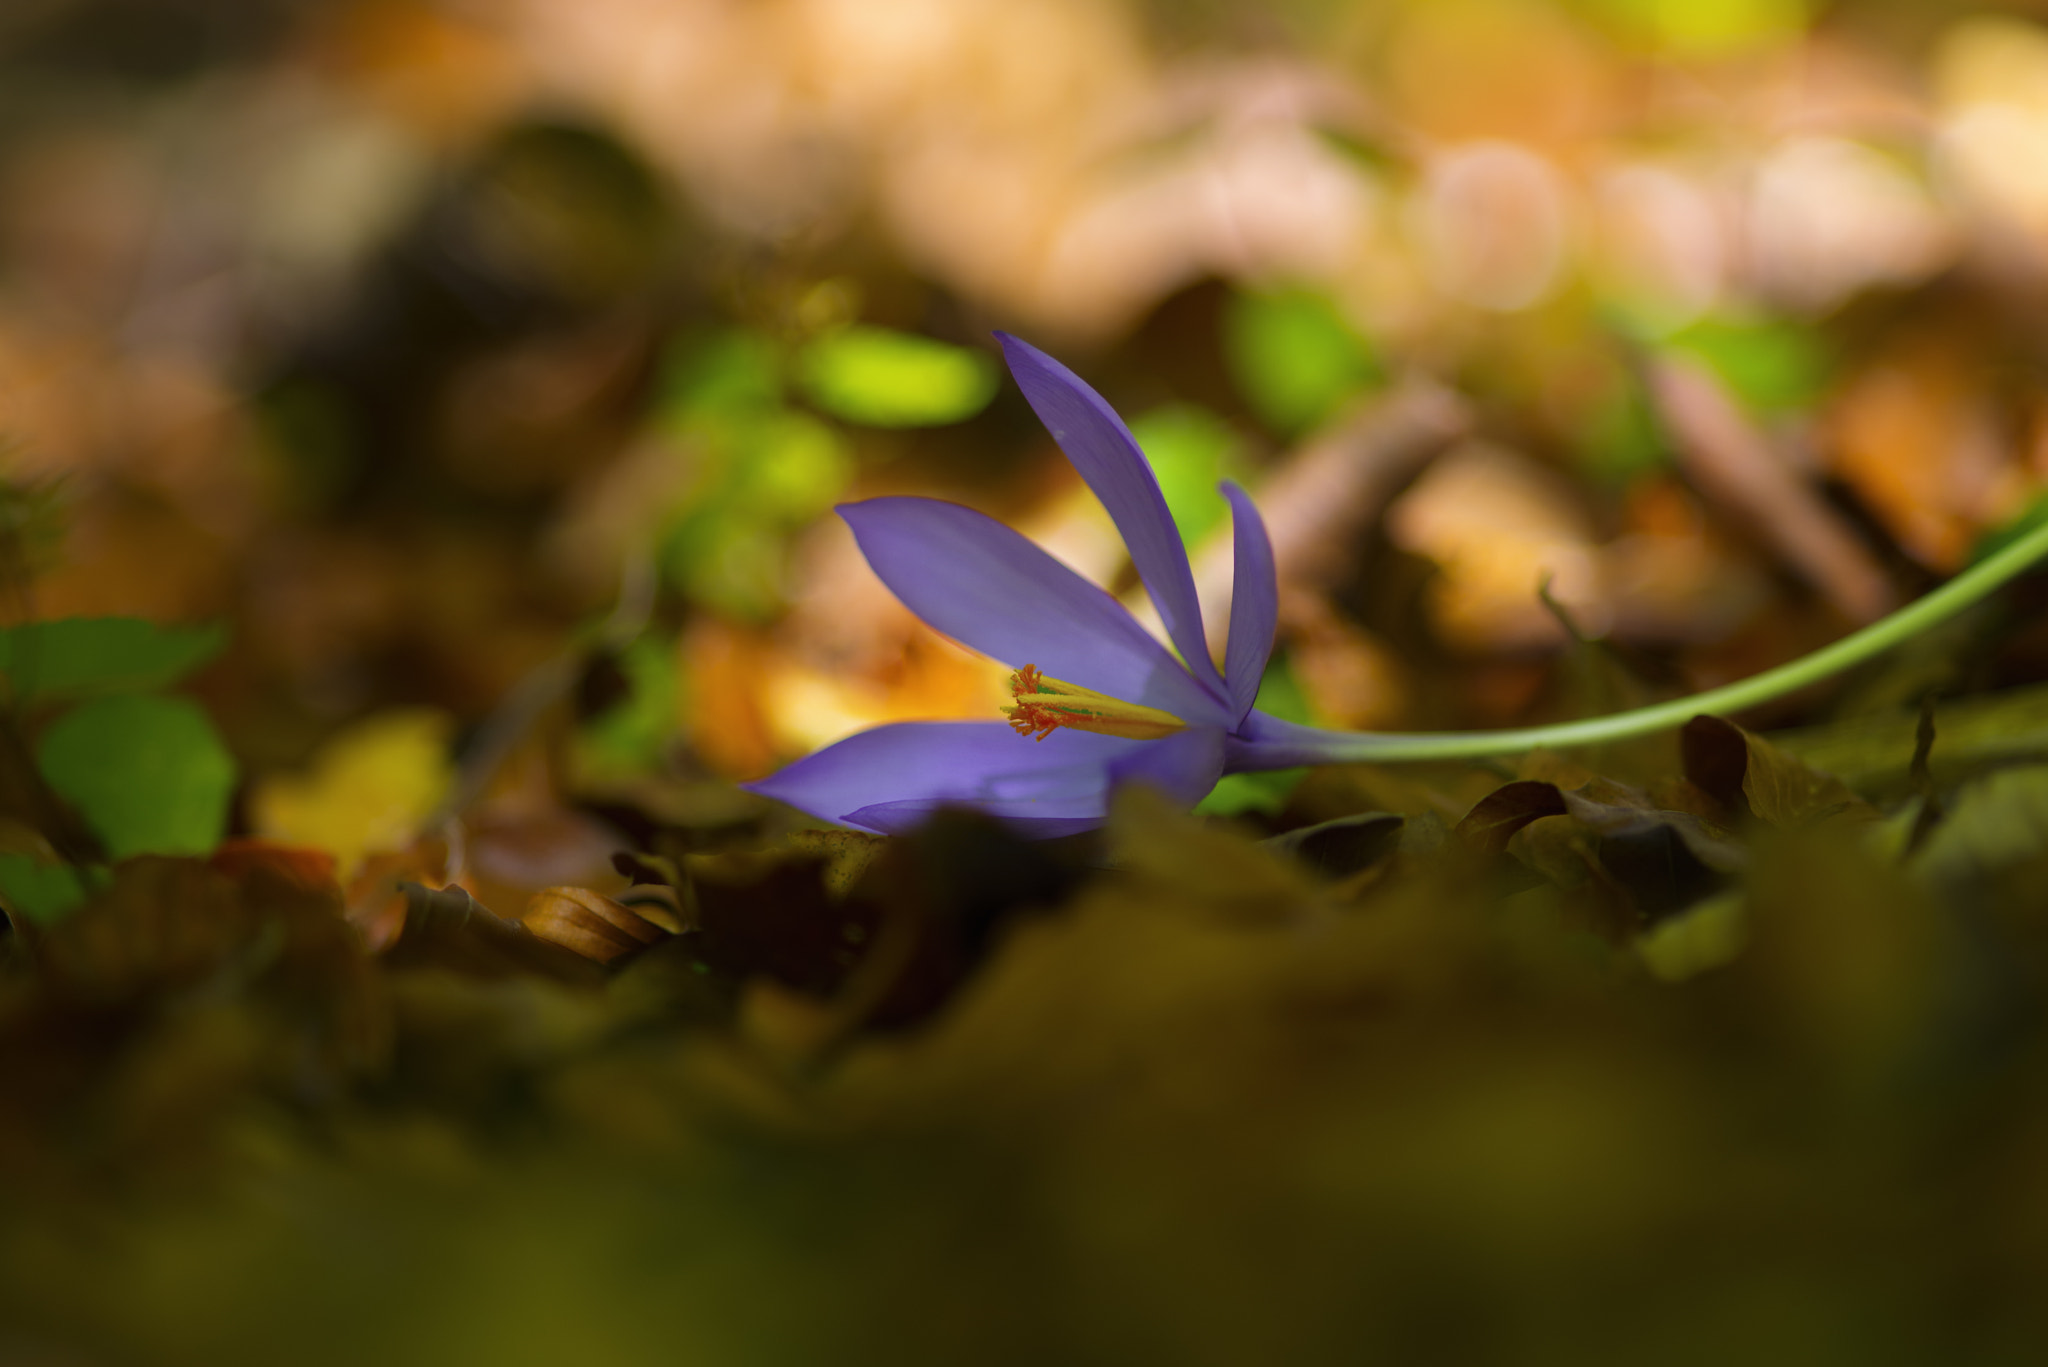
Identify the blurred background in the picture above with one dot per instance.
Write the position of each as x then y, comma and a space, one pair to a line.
491, 366
489, 369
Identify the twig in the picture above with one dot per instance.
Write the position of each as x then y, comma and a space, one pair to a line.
1326, 493
1735, 465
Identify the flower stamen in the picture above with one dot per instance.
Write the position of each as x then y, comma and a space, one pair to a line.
1043, 705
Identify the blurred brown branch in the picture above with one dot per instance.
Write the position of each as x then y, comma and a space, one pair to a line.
1737, 466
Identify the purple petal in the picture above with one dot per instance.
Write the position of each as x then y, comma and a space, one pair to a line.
900, 818
1184, 765
992, 590
983, 763
1107, 455
1254, 603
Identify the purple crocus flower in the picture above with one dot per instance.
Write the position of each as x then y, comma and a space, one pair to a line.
1132, 713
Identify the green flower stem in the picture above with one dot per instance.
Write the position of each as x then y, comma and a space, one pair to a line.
1328, 747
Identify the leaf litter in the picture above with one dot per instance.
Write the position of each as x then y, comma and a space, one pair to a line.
502, 1028
1617, 1065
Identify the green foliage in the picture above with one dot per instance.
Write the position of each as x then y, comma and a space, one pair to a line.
762, 470
879, 377
79, 657
765, 475
1190, 450
1265, 792
1621, 438
732, 371
1773, 367
148, 774
1294, 357
628, 737
41, 892
145, 773
794, 466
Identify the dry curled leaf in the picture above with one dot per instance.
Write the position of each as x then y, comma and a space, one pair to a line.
1750, 776
590, 923
1494, 820
446, 928
1615, 846
1344, 846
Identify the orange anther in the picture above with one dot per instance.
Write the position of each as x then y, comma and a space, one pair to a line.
1030, 719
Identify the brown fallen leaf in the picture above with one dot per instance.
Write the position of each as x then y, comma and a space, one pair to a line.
1491, 823
590, 923
1634, 862
446, 928
1749, 776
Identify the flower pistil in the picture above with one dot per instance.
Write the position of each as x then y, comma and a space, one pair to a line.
1043, 705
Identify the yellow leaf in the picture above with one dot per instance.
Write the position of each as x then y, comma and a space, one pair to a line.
369, 788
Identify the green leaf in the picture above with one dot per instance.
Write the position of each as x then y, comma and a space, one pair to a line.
733, 371
765, 473
1280, 692
148, 774
82, 656
734, 564
1620, 438
1294, 357
628, 737
879, 377
41, 892
1190, 450
789, 465
1996, 822
1772, 367
1265, 792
